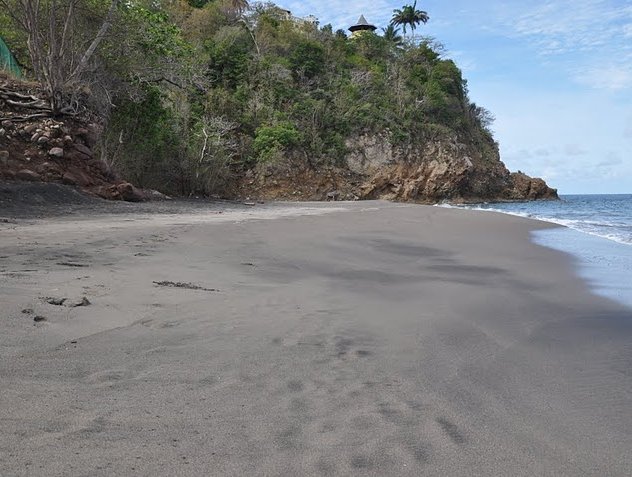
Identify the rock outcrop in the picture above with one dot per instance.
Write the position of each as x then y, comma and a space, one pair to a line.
427, 171
524, 187
439, 169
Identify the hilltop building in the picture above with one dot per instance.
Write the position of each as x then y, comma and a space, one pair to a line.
287, 15
362, 26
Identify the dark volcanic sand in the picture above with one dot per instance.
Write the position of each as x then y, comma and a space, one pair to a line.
361, 339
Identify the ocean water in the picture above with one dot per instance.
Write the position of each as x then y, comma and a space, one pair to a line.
597, 232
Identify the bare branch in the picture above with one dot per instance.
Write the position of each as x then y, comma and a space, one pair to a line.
107, 23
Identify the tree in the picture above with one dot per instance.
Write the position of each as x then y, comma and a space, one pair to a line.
59, 52
391, 34
409, 16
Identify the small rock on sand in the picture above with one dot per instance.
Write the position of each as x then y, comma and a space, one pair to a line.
82, 302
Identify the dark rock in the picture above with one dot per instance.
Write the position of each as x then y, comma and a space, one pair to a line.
87, 136
333, 195
56, 152
129, 193
30, 129
55, 301
524, 187
75, 176
39, 319
28, 175
83, 150
49, 168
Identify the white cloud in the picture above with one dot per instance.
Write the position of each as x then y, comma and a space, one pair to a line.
613, 77
612, 159
574, 150
575, 25
590, 38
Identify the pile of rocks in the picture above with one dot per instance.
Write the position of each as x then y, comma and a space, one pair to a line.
49, 150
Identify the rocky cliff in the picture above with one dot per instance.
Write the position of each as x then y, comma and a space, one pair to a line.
429, 170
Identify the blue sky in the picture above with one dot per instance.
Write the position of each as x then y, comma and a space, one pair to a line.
556, 74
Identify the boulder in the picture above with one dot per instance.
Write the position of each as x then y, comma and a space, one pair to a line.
108, 192
28, 175
30, 129
48, 168
129, 193
77, 177
83, 150
88, 137
56, 152
100, 167
524, 187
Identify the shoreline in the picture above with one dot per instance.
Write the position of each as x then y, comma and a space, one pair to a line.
600, 257
363, 338
606, 265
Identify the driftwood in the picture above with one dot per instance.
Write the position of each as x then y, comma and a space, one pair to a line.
21, 119
13, 100
19, 100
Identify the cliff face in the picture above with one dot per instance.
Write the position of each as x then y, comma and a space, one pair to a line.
439, 169
430, 171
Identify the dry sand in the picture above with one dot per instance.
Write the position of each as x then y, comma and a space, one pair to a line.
341, 339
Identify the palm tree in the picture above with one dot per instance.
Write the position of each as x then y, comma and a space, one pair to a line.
391, 34
408, 15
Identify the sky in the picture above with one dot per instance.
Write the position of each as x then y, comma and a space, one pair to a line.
556, 74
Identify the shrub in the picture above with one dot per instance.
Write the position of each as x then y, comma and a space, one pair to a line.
270, 140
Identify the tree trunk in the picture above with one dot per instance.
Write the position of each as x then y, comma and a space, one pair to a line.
107, 23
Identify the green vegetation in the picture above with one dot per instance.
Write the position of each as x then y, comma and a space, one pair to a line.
194, 92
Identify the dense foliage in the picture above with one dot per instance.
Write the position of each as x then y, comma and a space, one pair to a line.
200, 90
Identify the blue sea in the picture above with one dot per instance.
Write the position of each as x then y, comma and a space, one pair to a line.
598, 232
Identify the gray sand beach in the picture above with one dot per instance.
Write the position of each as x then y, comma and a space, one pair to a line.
369, 338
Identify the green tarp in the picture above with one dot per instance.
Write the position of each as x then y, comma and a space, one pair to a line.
7, 60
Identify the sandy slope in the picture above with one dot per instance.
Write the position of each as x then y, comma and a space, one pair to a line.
354, 339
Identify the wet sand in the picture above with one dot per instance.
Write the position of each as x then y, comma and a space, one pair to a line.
324, 339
